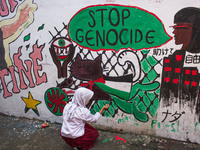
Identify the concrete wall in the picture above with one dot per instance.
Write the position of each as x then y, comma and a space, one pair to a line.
123, 50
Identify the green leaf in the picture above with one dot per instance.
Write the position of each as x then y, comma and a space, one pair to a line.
41, 27
27, 37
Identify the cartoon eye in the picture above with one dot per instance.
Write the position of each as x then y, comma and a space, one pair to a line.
61, 46
61, 42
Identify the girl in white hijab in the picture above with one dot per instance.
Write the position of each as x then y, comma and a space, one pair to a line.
75, 131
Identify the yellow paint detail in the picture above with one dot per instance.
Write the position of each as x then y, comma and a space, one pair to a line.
30, 102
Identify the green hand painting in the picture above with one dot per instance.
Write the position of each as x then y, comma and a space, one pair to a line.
127, 101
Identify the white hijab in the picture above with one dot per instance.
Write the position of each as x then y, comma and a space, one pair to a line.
80, 99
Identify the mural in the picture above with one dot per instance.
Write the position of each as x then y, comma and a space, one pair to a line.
18, 73
91, 72
13, 27
123, 53
180, 77
23, 69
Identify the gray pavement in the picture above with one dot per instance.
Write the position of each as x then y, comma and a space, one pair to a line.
27, 134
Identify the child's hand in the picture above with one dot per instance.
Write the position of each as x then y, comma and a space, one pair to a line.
106, 106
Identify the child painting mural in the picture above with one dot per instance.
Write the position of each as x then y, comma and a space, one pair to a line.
75, 130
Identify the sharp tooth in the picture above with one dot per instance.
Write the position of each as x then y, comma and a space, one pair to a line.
61, 51
67, 50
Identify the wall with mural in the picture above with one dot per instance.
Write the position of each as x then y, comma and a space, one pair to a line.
141, 57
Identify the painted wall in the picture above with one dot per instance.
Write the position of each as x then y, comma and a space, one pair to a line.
141, 57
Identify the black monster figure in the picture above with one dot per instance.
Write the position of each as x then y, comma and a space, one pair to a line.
62, 50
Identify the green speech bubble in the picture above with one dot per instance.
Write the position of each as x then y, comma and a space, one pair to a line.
115, 27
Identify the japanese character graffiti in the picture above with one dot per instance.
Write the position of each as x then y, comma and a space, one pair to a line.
162, 52
180, 77
175, 116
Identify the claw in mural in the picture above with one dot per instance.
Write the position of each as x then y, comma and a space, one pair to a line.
131, 58
124, 99
142, 87
130, 108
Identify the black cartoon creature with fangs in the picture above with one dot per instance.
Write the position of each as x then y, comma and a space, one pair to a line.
62, 52
90, 71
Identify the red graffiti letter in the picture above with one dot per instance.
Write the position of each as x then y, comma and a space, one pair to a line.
3, 8
36, 54
15, 87
2, 74
13, 4
19, 64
